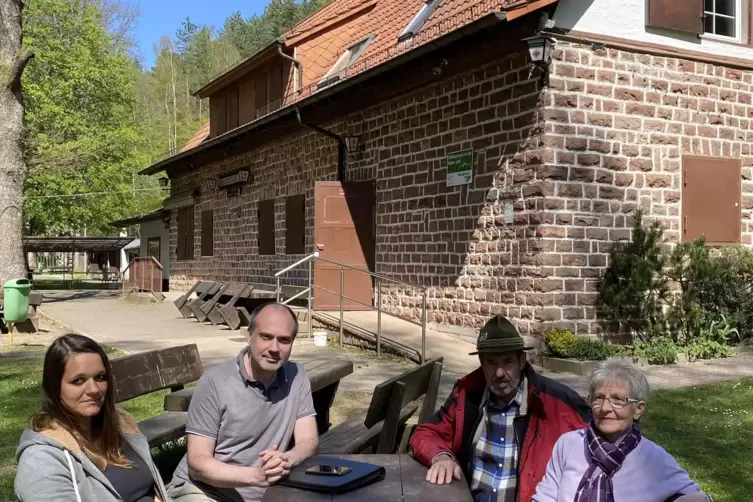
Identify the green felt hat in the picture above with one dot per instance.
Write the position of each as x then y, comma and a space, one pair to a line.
499, 335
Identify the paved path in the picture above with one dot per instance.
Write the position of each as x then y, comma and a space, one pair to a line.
135, 328
138, 327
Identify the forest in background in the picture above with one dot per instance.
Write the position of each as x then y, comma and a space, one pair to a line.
95, 116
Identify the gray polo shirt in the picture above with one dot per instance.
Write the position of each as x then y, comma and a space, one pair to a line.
244, 418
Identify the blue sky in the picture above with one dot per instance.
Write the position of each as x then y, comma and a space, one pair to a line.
164, 17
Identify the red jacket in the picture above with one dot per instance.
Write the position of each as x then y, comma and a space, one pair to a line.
553, 409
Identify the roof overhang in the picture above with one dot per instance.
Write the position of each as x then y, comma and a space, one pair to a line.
240, 69
360, 78
74, 243
137, 220
180, 199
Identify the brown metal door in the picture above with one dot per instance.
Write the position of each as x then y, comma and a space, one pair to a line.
344, 233
711, 193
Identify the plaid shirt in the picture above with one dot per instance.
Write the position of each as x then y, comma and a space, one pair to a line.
495, 460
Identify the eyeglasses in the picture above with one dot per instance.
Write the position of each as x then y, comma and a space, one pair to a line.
617, 402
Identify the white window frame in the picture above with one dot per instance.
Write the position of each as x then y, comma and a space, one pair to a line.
741, 14
359, 47
418, 21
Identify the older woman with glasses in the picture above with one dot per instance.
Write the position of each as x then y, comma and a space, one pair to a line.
609, 460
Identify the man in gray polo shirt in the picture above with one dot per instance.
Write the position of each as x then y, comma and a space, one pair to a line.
242, 417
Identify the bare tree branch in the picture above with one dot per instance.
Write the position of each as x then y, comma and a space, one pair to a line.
17, 69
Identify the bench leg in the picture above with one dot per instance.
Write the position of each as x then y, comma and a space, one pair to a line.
323, 399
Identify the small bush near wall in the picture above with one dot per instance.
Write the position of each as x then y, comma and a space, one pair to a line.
691, 298
634, 287
565, 344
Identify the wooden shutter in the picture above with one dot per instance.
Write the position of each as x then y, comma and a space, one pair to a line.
232, 108
189, 232
711, 199
275, 87
266, 226
295, 224
214, 116
207, 233
180, 248
246, 110
260, 95
680, 15
220, 114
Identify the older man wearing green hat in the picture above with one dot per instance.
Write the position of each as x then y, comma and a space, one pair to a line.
500, 423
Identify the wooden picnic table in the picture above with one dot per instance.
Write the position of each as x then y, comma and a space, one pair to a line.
404, 481
324, 376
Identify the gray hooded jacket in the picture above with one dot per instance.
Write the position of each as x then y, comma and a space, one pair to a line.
51, 466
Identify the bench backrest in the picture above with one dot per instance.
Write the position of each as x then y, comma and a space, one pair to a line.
414, 383
147, 372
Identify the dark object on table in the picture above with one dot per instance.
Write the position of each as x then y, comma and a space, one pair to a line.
404, 481
361, 474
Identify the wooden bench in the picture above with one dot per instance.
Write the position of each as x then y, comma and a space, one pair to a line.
324, 376
392, 404
146, 372
31, 325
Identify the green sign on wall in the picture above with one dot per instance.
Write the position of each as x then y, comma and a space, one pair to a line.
459, 168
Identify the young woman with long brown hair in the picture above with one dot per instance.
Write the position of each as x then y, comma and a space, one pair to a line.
80, 447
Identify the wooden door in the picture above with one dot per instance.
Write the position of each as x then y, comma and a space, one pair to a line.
344, 233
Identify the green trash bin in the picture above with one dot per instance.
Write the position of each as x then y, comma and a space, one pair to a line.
16, 300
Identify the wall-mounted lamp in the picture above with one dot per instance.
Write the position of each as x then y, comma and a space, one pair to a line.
164, 182
540, 51
212, 183
351, 143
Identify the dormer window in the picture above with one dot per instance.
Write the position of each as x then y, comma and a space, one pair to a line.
345, 61
417, 23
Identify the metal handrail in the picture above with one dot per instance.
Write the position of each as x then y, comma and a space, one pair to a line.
372, 274
355, 301
299, 262
315, 256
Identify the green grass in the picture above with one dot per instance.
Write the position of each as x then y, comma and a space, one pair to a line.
709, 430
20, 395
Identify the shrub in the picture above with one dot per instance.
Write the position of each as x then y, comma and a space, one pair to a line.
633, 288
707, 349
690, 266
721, 331
563, 343
591, 350
560, 343
659, 350
728, 288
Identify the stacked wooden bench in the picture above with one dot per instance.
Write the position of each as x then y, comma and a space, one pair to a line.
220, 303
392, 404
173, 368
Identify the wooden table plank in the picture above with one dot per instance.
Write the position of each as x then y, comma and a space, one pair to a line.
404, 481
331, 371
416, 488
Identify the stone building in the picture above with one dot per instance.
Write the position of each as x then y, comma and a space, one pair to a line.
487, 184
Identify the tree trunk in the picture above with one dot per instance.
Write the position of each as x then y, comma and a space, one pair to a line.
13, 60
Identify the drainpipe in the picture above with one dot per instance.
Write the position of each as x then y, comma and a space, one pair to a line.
342, 151
298, 65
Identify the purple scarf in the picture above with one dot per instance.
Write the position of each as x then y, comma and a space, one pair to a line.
607, 457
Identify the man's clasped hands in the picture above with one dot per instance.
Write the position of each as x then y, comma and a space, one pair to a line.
275, 464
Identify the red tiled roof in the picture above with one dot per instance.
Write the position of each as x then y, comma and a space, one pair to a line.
324, 36
198, 138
